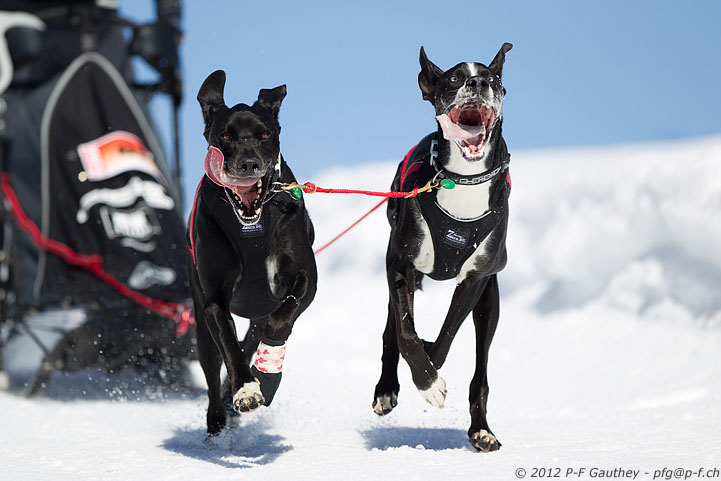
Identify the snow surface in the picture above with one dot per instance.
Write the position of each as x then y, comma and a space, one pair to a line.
608, 353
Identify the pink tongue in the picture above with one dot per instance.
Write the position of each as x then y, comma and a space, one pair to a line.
214, 170
453, 131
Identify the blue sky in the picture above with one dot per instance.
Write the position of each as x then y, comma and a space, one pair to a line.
580, 73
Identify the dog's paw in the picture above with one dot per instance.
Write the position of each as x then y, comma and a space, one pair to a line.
436, 394
384, 404
484, 441
248, 398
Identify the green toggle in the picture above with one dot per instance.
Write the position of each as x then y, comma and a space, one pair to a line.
448, 184
296, 193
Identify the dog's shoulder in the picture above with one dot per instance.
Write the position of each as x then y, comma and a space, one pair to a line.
415, 166
417, 160
208, 196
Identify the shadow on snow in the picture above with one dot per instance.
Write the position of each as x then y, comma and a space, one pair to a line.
429, 438
246, 446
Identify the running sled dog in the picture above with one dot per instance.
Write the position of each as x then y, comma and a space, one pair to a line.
457, 233
250, 251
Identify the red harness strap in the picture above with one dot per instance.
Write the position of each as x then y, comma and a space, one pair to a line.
192, 221
94, 264
404, 172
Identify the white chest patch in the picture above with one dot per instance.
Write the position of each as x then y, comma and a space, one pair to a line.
479, 253
465, 201
271, 267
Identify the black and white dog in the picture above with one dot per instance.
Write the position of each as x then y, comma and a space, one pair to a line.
457, 233
251, 250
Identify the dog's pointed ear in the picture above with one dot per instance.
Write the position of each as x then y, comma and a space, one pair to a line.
428, 76
270, 99
210, 96
500, 58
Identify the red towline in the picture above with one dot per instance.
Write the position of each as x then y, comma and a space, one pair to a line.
93, 263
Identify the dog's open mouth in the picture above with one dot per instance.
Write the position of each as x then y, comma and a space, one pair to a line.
247, 199
245, 193
469, 125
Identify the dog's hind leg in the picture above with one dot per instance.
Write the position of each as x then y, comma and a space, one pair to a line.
385, 397
464, 299
485, 319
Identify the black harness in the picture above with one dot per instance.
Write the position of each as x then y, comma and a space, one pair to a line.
252, 296
454, 239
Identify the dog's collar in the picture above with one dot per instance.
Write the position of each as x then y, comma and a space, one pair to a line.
473, 179
462, 179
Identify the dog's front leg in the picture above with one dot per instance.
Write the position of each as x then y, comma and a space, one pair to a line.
247, 395
401, 280
280, 323
218, 270
268, 364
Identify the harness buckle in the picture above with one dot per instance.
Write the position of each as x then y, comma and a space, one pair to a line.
433, 151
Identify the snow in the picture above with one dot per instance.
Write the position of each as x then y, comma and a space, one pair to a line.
607, 354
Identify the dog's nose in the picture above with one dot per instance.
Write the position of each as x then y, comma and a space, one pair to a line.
250, 166
477, 81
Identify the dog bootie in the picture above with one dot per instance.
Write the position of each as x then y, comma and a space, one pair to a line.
268, 366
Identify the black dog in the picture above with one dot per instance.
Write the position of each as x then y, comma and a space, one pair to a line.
250, 247
458, 233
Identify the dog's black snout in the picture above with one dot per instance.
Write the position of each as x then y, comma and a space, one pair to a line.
475, 82
250, 167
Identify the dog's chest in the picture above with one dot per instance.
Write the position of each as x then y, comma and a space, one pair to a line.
465, 208
465, 202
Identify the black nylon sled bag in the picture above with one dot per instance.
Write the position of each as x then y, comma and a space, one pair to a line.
96, 181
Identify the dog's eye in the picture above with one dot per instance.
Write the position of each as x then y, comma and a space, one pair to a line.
225, 136
453, 79
490, 80
265, 134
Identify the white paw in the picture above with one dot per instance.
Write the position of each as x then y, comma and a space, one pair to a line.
385, 404
485, 441
436, 394
248, 398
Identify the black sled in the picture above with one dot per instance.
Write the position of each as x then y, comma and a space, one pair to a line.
92, 259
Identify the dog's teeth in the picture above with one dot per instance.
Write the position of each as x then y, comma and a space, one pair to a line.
260, 183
